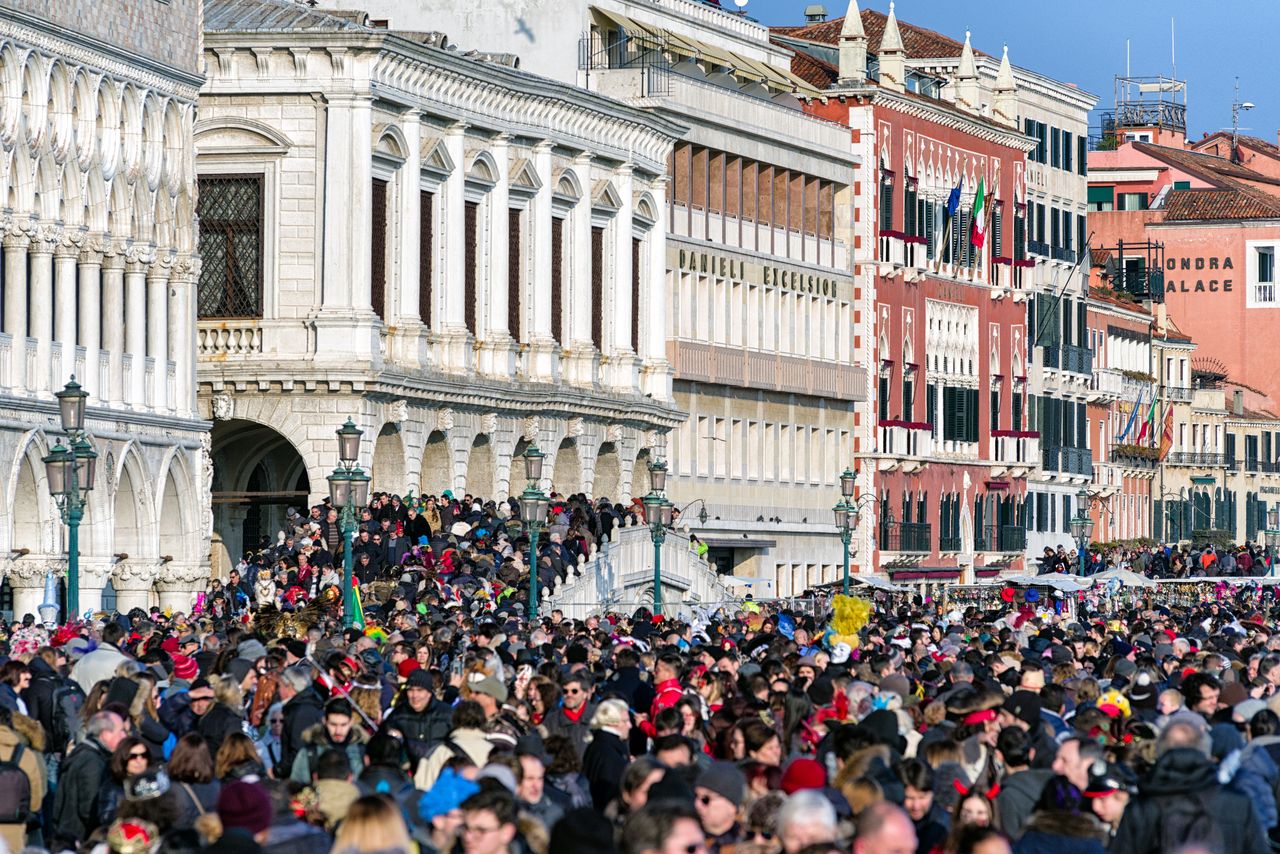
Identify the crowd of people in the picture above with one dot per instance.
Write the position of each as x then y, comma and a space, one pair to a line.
448, 722
1177, 560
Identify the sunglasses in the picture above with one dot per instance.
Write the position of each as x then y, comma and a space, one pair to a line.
143, 755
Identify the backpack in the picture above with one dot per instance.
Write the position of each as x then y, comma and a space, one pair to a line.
15, 789
1186, 820
68, 701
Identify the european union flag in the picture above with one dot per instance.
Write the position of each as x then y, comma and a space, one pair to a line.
953, 200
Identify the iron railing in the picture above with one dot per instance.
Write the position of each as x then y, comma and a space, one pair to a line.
907, 537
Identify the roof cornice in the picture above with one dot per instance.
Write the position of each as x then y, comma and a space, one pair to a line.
903, 103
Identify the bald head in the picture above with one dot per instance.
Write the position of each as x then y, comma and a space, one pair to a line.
884, 828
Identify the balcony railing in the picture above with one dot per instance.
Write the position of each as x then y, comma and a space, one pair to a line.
1068, 357
1196, 458
1178, 393
1013, 538
985, 538
949, 544
1015, 447
1062, 254
904, 438
1135, 455
1035, 247
1077, 461
1261, 466
914, 537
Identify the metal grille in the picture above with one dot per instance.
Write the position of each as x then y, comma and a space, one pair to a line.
515, 308
470, 228
636, 246
378, 253
597, 288
426, 253
230, 211
557, 277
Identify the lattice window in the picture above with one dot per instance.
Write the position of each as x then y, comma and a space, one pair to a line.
426, 255
557, 278
597, 288
636, 245
231, 239
378, 251
515, 305
471, 231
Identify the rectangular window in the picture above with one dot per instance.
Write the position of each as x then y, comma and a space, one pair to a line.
995, 409
557, 279
1132, 202
426, 255
1082, 235
637, 245
231, 223
886, 202
1102, 198
884, 397
997, 232
515, 307
908, 399
1015, 411
1082, 155
1055, 147
1066, 150
1029, 126
378, 251
471, 237
1265, 289
931, 408
597, 289
1055, 232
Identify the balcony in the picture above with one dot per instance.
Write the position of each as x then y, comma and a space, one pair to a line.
1180, 394
1077, 461
1067, 357
1062, 254
905, 443
1013, 449
907, 537
949, 544
1199, 459
1013, 538
1139, 456
1260, 467
1035, 247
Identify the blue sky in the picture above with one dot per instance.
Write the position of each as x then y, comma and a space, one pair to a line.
1083, 42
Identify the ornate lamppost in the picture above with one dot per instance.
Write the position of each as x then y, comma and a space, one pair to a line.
69, 470
1082, 525
534, 505
348, 489
658, 512
846, 513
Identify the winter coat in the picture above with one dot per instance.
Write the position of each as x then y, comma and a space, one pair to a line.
1017, 799
423, 730
97, 666
216, 724
32, 764
1181, 801
1062, 833
605, 759
39, 695
474, 743
316, 741
1253, 773
290, 836
81, 776
579, 731
195, 800
303, 711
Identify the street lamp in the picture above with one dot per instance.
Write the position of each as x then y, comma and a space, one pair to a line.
846, 513
1082, 525
658, 512
348, 489
69, 470
534, 505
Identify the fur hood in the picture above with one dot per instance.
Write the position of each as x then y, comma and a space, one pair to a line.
316, 734
30, 730
1072, 825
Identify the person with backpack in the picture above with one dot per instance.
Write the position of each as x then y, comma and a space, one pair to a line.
1181, 802
22, 784
74, 812
467, 738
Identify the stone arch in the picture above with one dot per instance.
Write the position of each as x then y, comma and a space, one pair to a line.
22, 182
483, 167
95, 202
568, 185
71, 198
390, 139
641, 483
567, 475
162, 232
84, 117
184, 235
175, 144
12, 60
61, 130
35, 100
133, 519
259, 472
143, 213
120, 210
48, 188
130, 116
646, 209
607, 482
107, 129
30, 508
389, 461
241, 132
178, 523
152, 165
436, 474
480, 467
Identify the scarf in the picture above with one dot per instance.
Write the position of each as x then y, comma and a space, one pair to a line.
574, 715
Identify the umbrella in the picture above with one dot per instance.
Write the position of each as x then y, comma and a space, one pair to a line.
1127, 578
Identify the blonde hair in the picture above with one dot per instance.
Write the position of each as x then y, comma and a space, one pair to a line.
373, 824
226, 690
610, 713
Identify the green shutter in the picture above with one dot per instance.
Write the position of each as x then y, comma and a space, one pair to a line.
1102, 195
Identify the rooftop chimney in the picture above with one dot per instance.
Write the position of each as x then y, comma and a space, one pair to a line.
1237, 402
815, 14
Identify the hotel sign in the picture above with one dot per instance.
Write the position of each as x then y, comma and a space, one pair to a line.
1201, 274
753, 272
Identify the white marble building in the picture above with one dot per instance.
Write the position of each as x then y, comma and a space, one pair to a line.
98, 280
460, 256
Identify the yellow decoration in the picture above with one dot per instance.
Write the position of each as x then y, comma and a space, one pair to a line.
851, 614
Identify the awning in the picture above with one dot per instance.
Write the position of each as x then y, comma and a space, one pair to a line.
1105, 195
726, 543
625, 23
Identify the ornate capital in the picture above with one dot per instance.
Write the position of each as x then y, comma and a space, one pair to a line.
135, 573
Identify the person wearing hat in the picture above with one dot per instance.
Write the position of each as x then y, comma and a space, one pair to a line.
418, 716
1110, 787
718, 794
504, 728
245, 811
437, 814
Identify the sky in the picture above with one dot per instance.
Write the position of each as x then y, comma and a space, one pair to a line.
1083, 42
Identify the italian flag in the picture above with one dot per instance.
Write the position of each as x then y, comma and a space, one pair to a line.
1149, 423
979, 215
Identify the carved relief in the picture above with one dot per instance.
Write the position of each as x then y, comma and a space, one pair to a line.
223, 406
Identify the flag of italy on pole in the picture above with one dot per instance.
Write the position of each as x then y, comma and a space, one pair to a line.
1149, 424
979, 215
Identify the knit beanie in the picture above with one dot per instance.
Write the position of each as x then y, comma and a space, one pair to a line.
246, 806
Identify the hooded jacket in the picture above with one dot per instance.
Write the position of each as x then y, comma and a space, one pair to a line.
1017, 799
1182, 801
316, 741
303, 711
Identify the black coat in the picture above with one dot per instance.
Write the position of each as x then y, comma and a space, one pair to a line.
39, 697
627, 684
1180, 802
218, 723
82, 775
603, 763
303, 711
423, 730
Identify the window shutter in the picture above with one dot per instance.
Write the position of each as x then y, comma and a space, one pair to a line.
1082, 324
378, 250
1082, 156
928, 229
931, 407
997, 233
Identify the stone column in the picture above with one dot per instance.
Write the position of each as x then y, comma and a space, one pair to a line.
26, 579
178, 583
182, 334
113, 310
497, 351
158, 307
542, 361
15, 305
40, 289
65, 258
655, 372
453, 342
619, 353
94, 574
133, 580
91, 321
135, 333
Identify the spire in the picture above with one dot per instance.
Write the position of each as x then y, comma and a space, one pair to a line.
1004, 104
893, 65
968, 92
853, 47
